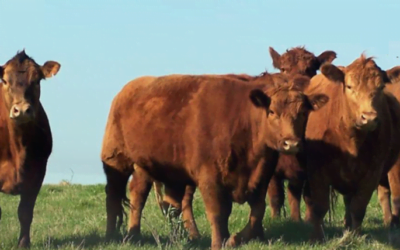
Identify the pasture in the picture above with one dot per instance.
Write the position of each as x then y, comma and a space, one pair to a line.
74, 217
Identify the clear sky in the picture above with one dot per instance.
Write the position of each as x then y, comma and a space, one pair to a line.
101, 45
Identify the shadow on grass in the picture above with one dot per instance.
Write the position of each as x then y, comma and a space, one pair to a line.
291, 232
288, 232
95, 239
294, 233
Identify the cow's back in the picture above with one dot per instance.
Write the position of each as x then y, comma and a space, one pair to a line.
177, 120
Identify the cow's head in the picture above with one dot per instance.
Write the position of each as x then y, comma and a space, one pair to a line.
300, 61
20, 85
363, 83
286, 109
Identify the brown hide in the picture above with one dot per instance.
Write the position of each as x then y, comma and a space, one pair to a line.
294, 60
389, 186
206, 131
25, 135
301, 61
349, 140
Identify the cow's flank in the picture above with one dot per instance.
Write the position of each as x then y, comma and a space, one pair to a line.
221, 134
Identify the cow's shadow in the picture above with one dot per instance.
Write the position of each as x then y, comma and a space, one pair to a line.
294, 233
95, 239
288, 232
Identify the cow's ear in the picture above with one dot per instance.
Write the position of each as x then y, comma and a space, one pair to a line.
332, 72
316, 101
393, 75
276, 58
50, 68
326, 57
260, 99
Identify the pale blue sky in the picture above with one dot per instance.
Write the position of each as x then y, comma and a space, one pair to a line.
101, 45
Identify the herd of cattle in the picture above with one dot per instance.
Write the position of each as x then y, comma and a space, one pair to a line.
234, 137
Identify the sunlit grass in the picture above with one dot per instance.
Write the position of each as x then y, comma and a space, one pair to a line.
73, 217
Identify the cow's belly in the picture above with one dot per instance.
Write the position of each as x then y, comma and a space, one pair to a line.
167, 173
355, 173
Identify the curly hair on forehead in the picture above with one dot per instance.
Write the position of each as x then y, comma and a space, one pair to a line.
365, 69
23, 63
297, 83
364, 62
298, 49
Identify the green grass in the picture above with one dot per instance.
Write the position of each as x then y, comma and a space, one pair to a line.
73, 217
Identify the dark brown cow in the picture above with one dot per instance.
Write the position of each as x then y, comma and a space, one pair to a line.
350, 140
220, 134
25, 135
298, 60
294, 61
389, 186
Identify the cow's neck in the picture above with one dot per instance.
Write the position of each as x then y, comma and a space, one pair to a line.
351, 138
261, 158
13, 138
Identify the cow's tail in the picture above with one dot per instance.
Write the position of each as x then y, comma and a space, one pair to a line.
125, 203
159, 194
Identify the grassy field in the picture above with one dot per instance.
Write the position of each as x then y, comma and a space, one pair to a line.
73, 217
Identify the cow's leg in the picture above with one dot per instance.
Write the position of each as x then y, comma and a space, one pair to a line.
173, 199
254, 228
218, 206
187, 210
384, 200
115, 197
256, 200
180, 198
394, 183
307, 201
319, 190
276, 195
159, 194
358, 205
29, 193
347, 215
139, 188
295, 189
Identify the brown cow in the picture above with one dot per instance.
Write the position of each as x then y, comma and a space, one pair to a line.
220, 134
349, 140
25, 135
294, 61
389, 186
